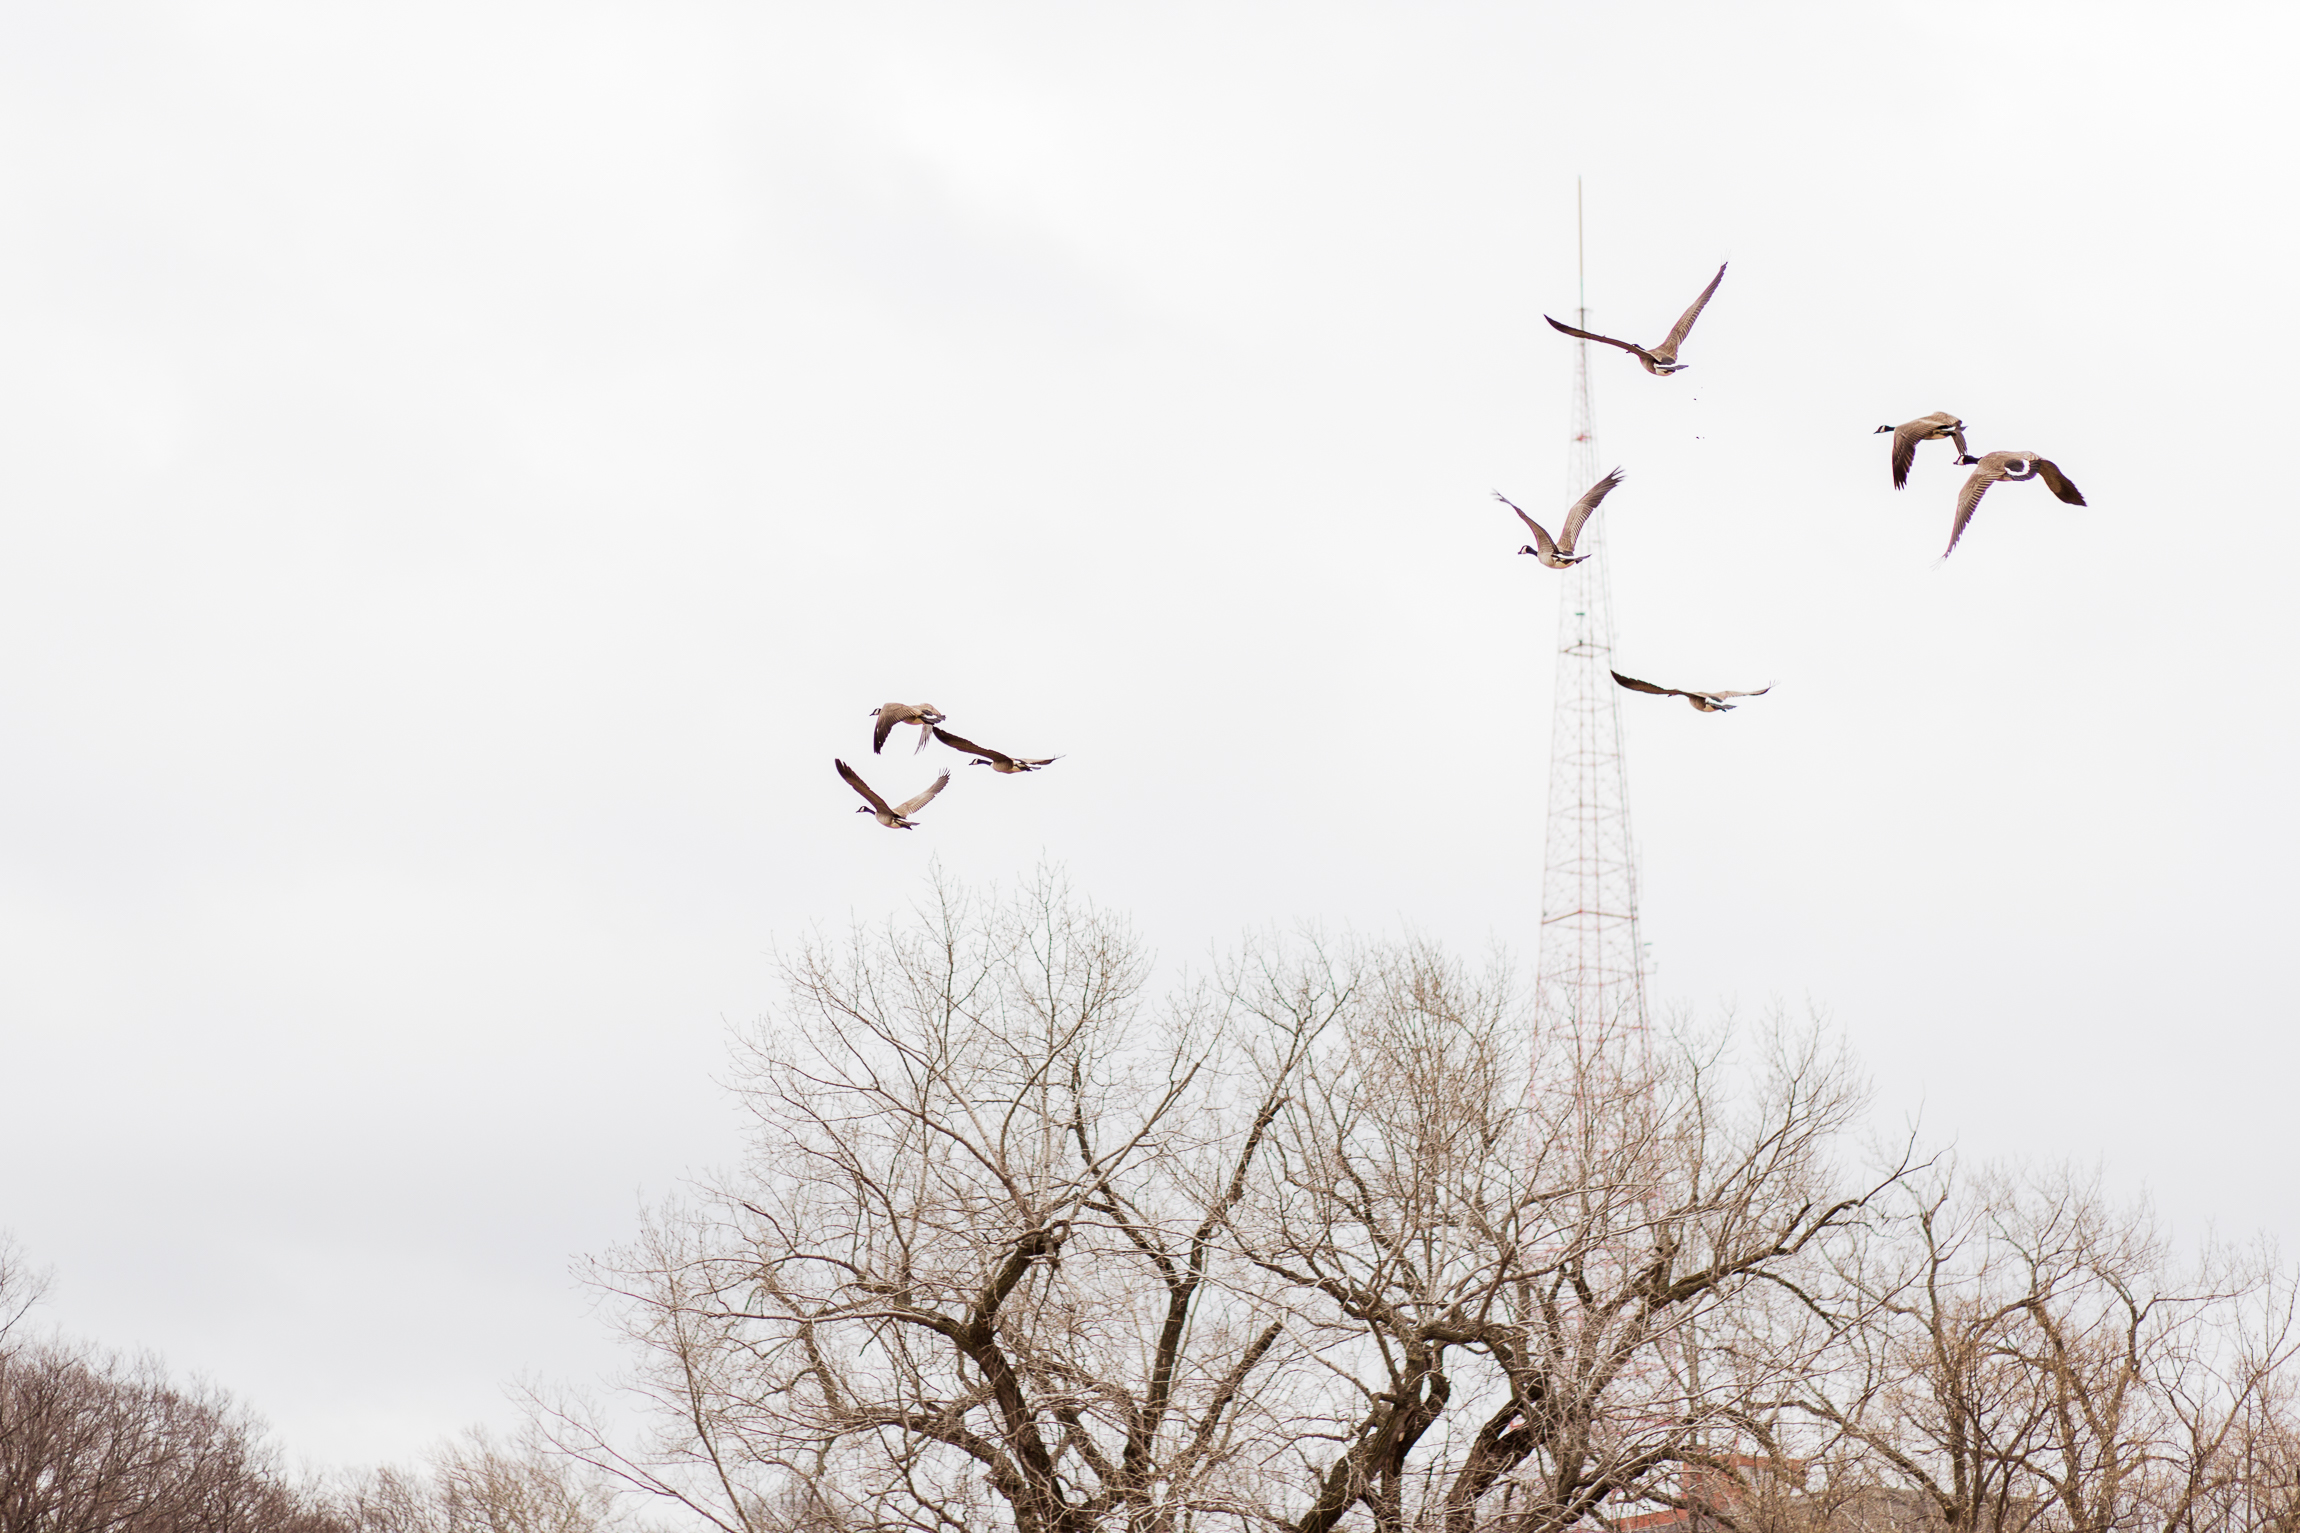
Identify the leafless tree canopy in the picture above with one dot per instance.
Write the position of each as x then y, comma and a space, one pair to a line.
978, 1271
92, 1444
476, 1484
2030, 1356
1343, 1237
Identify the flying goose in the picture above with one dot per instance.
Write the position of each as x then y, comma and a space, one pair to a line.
2009, 466
925, 716
997, 761
897, 818
1559, 555
1925, 428
1704, 702
1659, 360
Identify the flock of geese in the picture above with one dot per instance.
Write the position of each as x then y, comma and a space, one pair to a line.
929, 719
1555, 553
1661, 361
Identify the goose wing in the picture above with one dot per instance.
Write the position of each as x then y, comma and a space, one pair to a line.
2058, 482
864, 788
972, 749
889, 715
1590, 335
1541, 540
911, 806
1905, 440
1760, 692
1634, 685
1583, 509
1970, 497
1667, 350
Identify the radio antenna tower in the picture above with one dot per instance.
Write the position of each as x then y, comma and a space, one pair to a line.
1592, 964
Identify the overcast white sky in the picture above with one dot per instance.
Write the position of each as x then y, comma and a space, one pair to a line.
465, 469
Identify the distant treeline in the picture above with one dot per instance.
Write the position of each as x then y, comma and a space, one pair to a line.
94, 1442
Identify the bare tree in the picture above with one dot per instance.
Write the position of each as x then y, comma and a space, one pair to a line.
1313, 1245
22, 1285
477, 1484
1922, 1383
1506, 1239
974, 1274
2256, 1487
92, 1444
2031, 1357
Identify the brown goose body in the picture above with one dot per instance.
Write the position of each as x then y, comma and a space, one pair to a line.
924, 715
1558, 553
997, 761
1659, 360
2012, 467
1925, 428
1703, 702
895, 816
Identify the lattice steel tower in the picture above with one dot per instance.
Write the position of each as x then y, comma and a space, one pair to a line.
1592, 963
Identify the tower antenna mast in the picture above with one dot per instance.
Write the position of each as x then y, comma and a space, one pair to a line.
1591, 967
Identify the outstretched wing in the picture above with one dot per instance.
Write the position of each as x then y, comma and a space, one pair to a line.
1667, 350
1905, 440
972, 749
1541, 539
1634, 685
1970, 497
2058, 483
888, 716
1584, 509
911, 806
1590, 335
1760, 692
863, 788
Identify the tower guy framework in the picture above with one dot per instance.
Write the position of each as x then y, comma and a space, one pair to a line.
1592, 967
